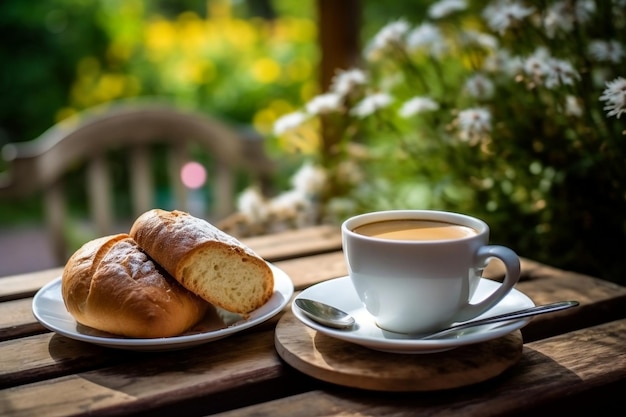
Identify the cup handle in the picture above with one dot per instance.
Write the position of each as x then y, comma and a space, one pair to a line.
512, 266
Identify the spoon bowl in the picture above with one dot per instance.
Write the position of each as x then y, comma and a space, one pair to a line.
330, 316
325, 314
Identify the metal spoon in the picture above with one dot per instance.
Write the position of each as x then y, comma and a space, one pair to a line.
333, 317
324, 314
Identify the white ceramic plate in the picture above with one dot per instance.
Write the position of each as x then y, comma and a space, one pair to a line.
340, 293
50, 311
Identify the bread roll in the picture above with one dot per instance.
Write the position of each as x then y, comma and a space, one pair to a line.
205, 260
110, 284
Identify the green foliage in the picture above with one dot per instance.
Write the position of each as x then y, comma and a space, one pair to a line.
547, 174
504, 111
239, 61
42, 42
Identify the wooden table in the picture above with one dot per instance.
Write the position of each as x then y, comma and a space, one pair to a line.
573, 360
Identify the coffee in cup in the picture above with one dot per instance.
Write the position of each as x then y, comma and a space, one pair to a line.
417, 270
414, 229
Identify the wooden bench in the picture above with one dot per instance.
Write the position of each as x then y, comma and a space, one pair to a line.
132, 130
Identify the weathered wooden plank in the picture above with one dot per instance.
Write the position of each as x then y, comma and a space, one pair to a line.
26, 285
16, 319
99, 191
564, 368
48, 355
157, 380
566, 365
294, 243
600, 300
141, 180
151, 381
309, 270
55, 215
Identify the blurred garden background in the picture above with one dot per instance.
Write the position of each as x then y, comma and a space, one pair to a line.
507, 110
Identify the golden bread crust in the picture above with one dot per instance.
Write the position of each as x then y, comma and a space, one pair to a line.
110, 284
205, 260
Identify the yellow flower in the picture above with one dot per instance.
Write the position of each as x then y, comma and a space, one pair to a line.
194, 71
110, 87
160, 38
241, 34
265, 70
280, 107
309, 90
190, 32
263, 121
295, 30
305, 140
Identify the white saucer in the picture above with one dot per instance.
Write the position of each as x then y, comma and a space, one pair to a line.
340, 293
49, 309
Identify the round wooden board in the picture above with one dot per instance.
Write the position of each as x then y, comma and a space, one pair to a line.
343, 363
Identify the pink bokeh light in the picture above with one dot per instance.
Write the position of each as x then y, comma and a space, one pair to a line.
193, 175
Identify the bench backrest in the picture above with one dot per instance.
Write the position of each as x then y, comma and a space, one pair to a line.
131, 130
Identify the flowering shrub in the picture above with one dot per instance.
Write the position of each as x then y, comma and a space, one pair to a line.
511, 112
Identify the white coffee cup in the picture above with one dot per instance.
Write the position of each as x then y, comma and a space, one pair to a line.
423, 279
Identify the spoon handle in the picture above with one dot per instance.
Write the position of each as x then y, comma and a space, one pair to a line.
532, 311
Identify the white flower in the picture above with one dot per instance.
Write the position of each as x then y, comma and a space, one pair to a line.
309, 180
289, 121
615, 97
484, 40
502, 61
445, 7
474, 123
480, 87
584, 9
418, 105
389, 37
572, 106
560, 72
503, 14
551, 72
426, 36
325, 103
252, 203
537, 65
290, 206
563, 15
344, 82
371, 104
293, 209
559, 16
606, 51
